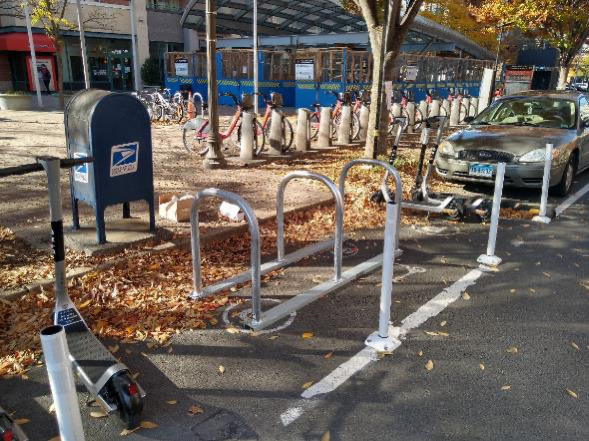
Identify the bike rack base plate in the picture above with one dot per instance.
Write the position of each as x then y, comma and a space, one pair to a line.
485, 259
384, 345
541, 219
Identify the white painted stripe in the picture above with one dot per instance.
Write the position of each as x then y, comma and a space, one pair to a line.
439, 302
342, 373
367, 355
571, 200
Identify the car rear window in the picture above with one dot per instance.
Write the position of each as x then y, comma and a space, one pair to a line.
557, 113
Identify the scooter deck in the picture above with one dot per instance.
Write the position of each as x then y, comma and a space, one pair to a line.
87, 352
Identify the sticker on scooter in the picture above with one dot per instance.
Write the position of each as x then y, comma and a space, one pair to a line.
124, 159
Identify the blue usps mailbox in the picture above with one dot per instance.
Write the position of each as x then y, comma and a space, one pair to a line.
115, 129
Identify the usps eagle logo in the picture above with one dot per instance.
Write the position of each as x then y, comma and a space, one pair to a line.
124, 159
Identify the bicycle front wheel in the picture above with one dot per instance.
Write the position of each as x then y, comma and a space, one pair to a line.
314, 121
194, 141
355, 127
286, 132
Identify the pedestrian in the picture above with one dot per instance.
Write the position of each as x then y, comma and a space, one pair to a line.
45, 76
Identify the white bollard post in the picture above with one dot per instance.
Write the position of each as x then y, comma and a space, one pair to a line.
276, 134
364, 117
397, 110
324, 137
381, 340
424, 107
474, 107
542, 218
455, 113
410, 108
445, 111
61, 380
464, 110
344, 135
302, 135
434, 108
490, 259
246, 147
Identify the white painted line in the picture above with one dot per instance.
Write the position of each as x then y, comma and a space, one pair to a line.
571, 200
367, 355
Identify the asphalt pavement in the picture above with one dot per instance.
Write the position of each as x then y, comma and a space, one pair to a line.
499, 355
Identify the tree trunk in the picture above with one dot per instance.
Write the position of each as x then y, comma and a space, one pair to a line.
375, 37
563, 73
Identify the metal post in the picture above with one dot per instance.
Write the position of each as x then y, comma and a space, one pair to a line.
542, 218
490, 259
83, 46
256, 56
137, 73
380, 340
33, 56
214, 158
61, 380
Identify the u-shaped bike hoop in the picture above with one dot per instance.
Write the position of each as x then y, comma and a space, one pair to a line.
390, 171
255, 243
339, 215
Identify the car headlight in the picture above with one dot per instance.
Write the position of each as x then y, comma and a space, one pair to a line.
538, 155
447, 148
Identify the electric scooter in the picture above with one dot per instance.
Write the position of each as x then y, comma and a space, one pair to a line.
107, 380
9, 430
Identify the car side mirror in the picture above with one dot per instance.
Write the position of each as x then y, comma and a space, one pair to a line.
469, 119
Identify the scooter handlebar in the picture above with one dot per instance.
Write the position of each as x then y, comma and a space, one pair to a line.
32, 168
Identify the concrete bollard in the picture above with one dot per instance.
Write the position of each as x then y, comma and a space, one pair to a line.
445, 111
490, 259
344, 135
275, 134
455, 113
364, 117
303, 131
410, 109
246, 147
324, 137
474, 107
434, 108
424, 108
542, 218
464, 110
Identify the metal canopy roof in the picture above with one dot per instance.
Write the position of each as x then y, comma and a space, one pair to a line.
316, 17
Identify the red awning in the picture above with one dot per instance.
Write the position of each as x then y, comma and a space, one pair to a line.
19, 41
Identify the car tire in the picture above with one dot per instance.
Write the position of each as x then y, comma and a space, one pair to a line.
563, 188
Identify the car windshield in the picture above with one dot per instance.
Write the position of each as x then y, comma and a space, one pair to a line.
548, 112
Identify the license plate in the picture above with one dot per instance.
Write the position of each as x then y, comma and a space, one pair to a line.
480, 170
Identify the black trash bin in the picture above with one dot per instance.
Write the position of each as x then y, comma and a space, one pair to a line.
115, 129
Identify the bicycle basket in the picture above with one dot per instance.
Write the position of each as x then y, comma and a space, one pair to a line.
276, 99
247, 102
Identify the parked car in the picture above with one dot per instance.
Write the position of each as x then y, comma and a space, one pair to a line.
515, 130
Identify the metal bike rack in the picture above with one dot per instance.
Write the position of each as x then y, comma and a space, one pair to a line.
390, 171
339, 216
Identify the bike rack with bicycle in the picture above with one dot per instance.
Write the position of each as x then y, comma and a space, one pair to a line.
262, 319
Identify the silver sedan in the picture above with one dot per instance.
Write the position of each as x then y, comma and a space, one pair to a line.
515, 130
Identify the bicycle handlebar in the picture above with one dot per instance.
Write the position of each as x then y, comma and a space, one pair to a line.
229, 94
32, 168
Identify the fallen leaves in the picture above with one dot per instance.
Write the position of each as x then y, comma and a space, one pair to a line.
420, 354
575, 345
195, 410
481, 366
572, 393
233, 330
429, 365
465, 295
171, 401
307, 385
328, 355
126, 432
222, 369
443, 323
511, 350
22, 421
326, 436
147, 425
273, 337
98, 414
308, 335
506, 387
